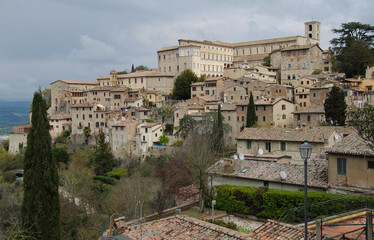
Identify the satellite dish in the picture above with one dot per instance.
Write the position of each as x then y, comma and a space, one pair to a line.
241, 156
336, 136
283, 175
260, 151
235, 156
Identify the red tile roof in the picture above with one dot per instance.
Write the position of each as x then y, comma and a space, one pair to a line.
181, 227
273, 230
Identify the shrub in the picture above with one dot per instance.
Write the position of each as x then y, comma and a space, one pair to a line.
60, 154
117, 173
178, 143
149, 120
164, 139
221, 223
105, 179
9, 176
271, 203
316, 72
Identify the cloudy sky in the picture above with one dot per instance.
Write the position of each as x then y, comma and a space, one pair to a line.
45, 40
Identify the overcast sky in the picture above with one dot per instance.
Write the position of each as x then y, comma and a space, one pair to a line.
45, 40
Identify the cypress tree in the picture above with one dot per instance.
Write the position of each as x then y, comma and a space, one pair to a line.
132, 68
41, 207
251, 112
218, 137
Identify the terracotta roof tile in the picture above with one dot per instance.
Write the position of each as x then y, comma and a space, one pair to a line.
270, 171
353, 144
280, 231
181, 227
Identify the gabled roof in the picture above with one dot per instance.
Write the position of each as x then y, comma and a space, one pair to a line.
60, 116
300, 47
266, 101
353, 144
270, 171
181, 227
77, 82
274, 230
312, 109
317, 134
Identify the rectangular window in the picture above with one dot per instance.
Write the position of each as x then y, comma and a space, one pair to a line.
283, 146
342, 166
283, 107
249, 144
268, 146
370, 164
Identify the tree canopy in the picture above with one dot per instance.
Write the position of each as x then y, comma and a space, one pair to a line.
354, 47
41, 207
335, 106
363, 120
182, 87
102, 158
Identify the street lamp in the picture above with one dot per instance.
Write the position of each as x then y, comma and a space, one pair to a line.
305, 152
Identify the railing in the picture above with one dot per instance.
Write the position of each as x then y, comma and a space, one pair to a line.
327, 208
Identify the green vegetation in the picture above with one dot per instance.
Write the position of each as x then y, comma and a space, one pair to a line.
182, 87
335, 106
60, 154
221, 223
362, 119
163, 139
272, 203
354, 47
251, 112
102, 158
266, 61
41, 220
317, 71
149, 120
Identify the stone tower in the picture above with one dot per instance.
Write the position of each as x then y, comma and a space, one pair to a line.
313, 30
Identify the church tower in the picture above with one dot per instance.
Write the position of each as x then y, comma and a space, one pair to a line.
313, 30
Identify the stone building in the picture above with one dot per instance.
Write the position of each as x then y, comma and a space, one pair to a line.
351, 165
59, 123
148, 134
88, 115
123, 138
275, 111
295, 62
148, 79
309, 117
65, 93
18, 138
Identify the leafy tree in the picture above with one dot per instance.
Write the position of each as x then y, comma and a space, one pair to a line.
41, 207
132, 68
141, 68
164, 139
186, 126
354, 47
60, 154
251, 112
5, 144
363, 120
182, 88
266, 61
169, 129
352, 31
335, 106
123, 72
46, 92
102, 158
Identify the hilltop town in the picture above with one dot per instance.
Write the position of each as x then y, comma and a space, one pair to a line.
284, 81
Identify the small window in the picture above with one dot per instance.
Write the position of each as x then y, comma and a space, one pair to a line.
268, 146
283, 146
284, 116
249, 144
283, 107
370, 164
342, 166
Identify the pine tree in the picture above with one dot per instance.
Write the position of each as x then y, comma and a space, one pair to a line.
102, 159
335, 106
251, 112
41, 207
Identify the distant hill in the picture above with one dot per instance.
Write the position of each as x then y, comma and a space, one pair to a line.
13, 113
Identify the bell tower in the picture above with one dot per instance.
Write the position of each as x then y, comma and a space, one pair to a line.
313, 30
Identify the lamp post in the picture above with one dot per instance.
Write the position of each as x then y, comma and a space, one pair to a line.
305, 152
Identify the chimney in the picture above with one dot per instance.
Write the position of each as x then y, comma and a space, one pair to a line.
228, 166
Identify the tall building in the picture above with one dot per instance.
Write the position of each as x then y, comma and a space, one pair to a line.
209, 58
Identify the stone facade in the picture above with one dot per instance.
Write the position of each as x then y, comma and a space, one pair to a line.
275, 111
123, 138
59, 123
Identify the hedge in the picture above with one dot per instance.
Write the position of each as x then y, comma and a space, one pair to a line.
272, 203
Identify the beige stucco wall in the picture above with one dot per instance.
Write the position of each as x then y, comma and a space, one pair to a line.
358, 174
15, 140
235, 94
279, 113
